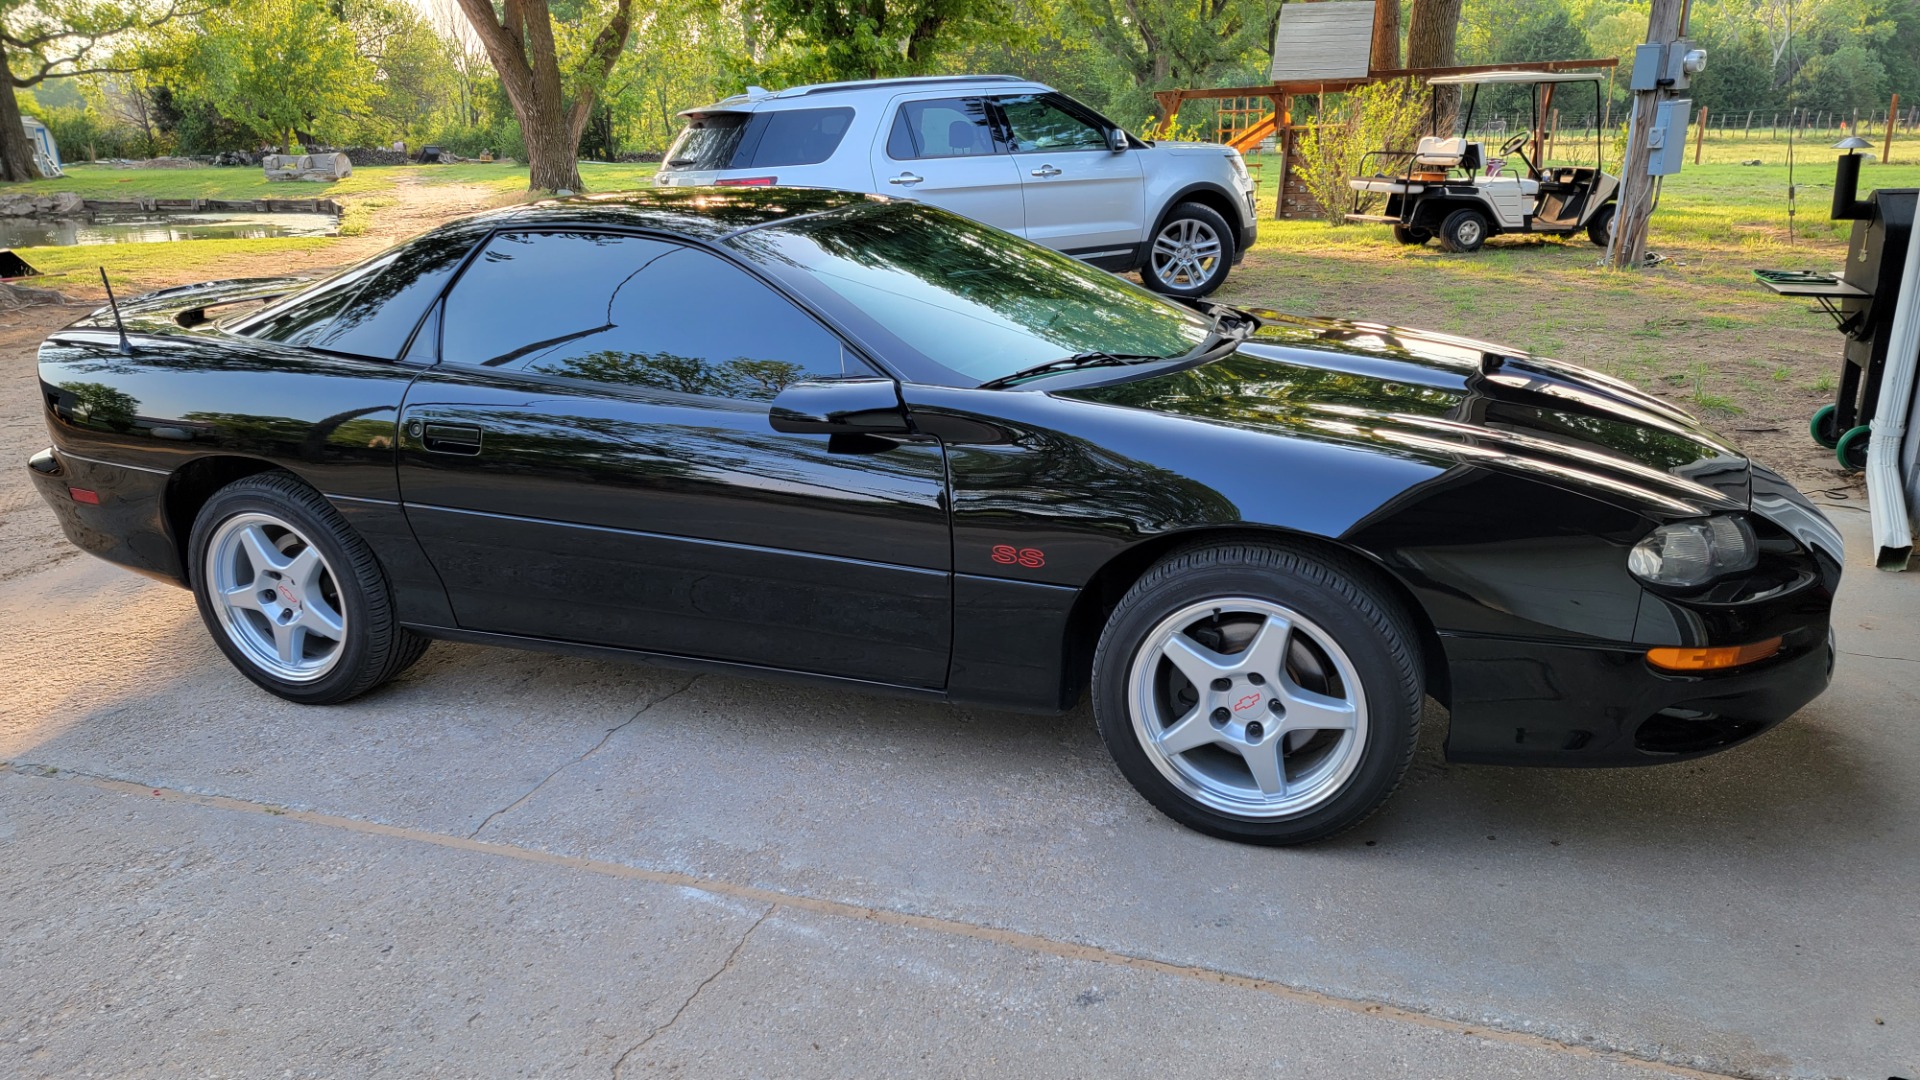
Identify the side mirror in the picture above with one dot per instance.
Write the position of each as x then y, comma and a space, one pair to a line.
863, 406
1117, 141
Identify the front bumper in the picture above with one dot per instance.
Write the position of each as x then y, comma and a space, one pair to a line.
1536, 703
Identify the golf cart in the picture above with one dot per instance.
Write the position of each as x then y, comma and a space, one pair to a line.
1451, 188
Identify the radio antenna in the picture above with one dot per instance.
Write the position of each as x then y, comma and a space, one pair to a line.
126, 347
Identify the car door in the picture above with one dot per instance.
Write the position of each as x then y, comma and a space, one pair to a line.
591, 461
1081, 197
946, 151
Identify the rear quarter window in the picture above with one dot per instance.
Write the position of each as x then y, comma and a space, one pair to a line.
793, 137
707, 142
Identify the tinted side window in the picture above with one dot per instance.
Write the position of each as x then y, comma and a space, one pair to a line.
798, 137
1040, 122
945, 127
368, 310
633, 311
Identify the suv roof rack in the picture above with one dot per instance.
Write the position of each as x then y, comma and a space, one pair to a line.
916, 80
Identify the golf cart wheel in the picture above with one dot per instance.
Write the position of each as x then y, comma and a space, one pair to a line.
1852, 447
1411, 236
1464, 230
1191, 254
1600, 229
1824, 426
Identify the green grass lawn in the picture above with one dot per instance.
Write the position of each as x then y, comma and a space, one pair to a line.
241, 182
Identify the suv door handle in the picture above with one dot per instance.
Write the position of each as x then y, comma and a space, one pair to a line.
906, 178
1046, 170
451, 439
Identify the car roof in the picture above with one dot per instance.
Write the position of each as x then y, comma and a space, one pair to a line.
696, 213
756, 96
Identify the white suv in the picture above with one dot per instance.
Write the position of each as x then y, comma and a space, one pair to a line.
998, 149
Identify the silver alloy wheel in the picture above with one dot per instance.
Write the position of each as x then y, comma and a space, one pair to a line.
1186, 253
1248, 708
1469, 232
276, 597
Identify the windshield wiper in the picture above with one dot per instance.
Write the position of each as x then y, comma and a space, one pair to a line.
1075, 362
682, 162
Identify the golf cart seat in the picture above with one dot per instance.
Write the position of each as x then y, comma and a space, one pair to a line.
1440, 153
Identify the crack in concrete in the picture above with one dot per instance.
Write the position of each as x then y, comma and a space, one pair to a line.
1877, 656
592, 750
726, 966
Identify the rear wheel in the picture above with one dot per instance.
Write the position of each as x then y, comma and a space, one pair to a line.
1851, 448
1191, 253
1263, 692
1464, 230
292, 595
1411, 236
1600, 227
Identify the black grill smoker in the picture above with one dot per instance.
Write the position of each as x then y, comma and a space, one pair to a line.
1860, 298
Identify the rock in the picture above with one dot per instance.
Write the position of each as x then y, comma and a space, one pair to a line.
323, 168
69, 202
235, 157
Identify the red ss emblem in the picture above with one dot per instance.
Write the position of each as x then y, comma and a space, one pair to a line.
1009, 555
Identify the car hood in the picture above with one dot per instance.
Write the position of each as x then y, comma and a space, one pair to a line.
1414, 392
1171, 147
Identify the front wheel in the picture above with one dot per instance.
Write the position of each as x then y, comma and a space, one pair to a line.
1191, 254
292, 595
1261, 692
1600, 228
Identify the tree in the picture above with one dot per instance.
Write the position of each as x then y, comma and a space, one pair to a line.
1431, 33
1163, 44
519, 39
279, 68
55, 39
872, 39
1386, 35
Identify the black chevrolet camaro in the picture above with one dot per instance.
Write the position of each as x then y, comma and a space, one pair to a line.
868, 442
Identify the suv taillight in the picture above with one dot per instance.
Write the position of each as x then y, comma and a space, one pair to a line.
747, 181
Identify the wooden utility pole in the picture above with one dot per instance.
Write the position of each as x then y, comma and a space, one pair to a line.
1700, 135
1664, 26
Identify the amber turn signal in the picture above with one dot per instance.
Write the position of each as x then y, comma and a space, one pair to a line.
1712, 659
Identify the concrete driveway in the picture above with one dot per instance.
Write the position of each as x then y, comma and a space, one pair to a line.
509, 864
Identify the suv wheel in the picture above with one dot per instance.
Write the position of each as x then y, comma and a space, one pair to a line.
1260, 692
1191, 253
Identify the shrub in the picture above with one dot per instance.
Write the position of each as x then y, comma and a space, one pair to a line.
1383, 116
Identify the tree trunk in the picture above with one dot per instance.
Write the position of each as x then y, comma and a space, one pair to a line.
1431, 31
16, 152
1386, 35
552, 144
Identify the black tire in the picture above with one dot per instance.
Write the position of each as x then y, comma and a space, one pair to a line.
1600, 226
374, 646
1204, 216
1411, 236
1464, 230
1340, 597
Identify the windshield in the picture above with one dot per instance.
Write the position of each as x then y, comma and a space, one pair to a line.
978, 303
707, 142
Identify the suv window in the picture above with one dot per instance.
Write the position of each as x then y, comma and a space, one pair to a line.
793, 137
943, 127
1046, 122
634, 311
707, 142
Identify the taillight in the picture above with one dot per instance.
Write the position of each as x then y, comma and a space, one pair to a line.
747, 181
84, 495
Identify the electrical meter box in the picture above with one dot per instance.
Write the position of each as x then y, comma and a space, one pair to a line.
1666, 67
1667, 142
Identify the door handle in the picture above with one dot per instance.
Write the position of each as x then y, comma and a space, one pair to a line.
906, 178
451, 439
1046, 170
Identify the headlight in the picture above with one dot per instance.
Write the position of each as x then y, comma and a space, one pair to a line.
1694, 552
1239, 164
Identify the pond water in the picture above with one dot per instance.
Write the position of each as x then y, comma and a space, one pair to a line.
155, 228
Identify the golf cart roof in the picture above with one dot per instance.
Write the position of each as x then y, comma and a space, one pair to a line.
1517, 77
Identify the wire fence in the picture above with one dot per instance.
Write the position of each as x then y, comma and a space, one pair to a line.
1771, 124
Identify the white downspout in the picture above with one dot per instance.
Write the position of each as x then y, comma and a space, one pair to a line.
1886, 490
